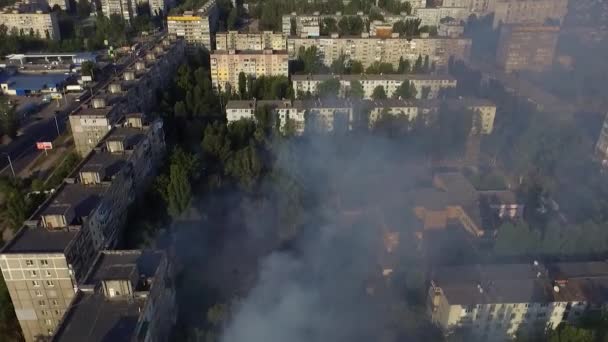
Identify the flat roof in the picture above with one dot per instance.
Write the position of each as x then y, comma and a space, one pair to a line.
34, 82
82, 198
378, 77
112, 163
131, 136
39, 240
111, 265
18, 56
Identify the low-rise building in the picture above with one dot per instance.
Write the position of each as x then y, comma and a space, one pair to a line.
24, 20
226, 65
127, 295
526, 47
196, 27
267, 40
126, 9
495, 302
48, 257
432, 16
428, 85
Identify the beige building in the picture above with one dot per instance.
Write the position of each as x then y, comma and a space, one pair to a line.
196, 27
526, 47
48, 257
529, 11
39, 23
495, 302
431, 16
325, 115
132, 91
304, 84
226, 65
368, 50
126, 9
126, 294
267, 40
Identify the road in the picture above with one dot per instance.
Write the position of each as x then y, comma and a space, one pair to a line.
22, 151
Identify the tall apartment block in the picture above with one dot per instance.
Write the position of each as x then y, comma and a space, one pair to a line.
368, 50
526, 47
196, 27
529, 11
24, 20
126, 296
305, 84
51, 254
132, 91
495, 302
126, 9
226, 65
267, 40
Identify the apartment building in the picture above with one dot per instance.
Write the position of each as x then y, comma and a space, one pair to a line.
526, 47
126, 9
368, 50
43, 264
132, 91
267, 40
430, 85
301, 25
25, 21
196, 27
529, 11
432, 16
226, 65
127, 296
451, 28
63, 4
321, 115
497, 301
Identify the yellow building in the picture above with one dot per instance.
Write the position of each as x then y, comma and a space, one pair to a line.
227, 65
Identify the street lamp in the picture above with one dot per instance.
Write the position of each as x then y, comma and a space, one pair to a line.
56, 124
10, 163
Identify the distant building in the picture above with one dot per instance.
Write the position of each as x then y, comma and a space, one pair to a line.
369, 50
432, 16
495, 302
529, 11
26, 84
526, 47
227, 65
37, 23
126, 9
126, 296
450, 28
51, 254
76, 58
196, 27
304, 84
267, 40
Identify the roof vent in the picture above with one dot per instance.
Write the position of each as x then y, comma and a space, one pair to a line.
99, 102
556, 289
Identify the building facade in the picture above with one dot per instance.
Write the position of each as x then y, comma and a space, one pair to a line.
38, 23
495, 302
430, 85
267, 40
432, 16
368, 50
526, 47
227, 65
197, 27
126, 9
48, 257
529, 11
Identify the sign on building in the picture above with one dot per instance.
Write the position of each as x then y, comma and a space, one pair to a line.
44, 145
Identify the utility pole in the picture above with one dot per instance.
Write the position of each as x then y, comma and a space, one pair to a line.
56, 124
10, 163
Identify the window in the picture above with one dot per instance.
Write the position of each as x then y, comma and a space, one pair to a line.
43, 313
38, 293
48, 273
48, 321
29, 262
41, 303
33, 273
35, 283
50, 283
58, 312
54, 302
44, 262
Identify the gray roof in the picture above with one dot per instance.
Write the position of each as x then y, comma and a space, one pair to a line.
112, 163
39, 240
121, 264
92, 317
82, 198
130, 135
240, 104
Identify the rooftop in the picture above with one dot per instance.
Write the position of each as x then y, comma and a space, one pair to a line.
121, 264
82, 198
34, 82
361, 77
112, 163
39, 240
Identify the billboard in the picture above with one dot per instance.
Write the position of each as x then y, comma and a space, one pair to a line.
44, 145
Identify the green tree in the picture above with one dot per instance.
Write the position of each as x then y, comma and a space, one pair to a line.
569, 333
179, 191
404, 66
356, 67
17, 209
380, 68
9, 121
329, 88
356, 90
242, 85
418, 65
379, 93
405, 91
88, 69
233, 18
425, 92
